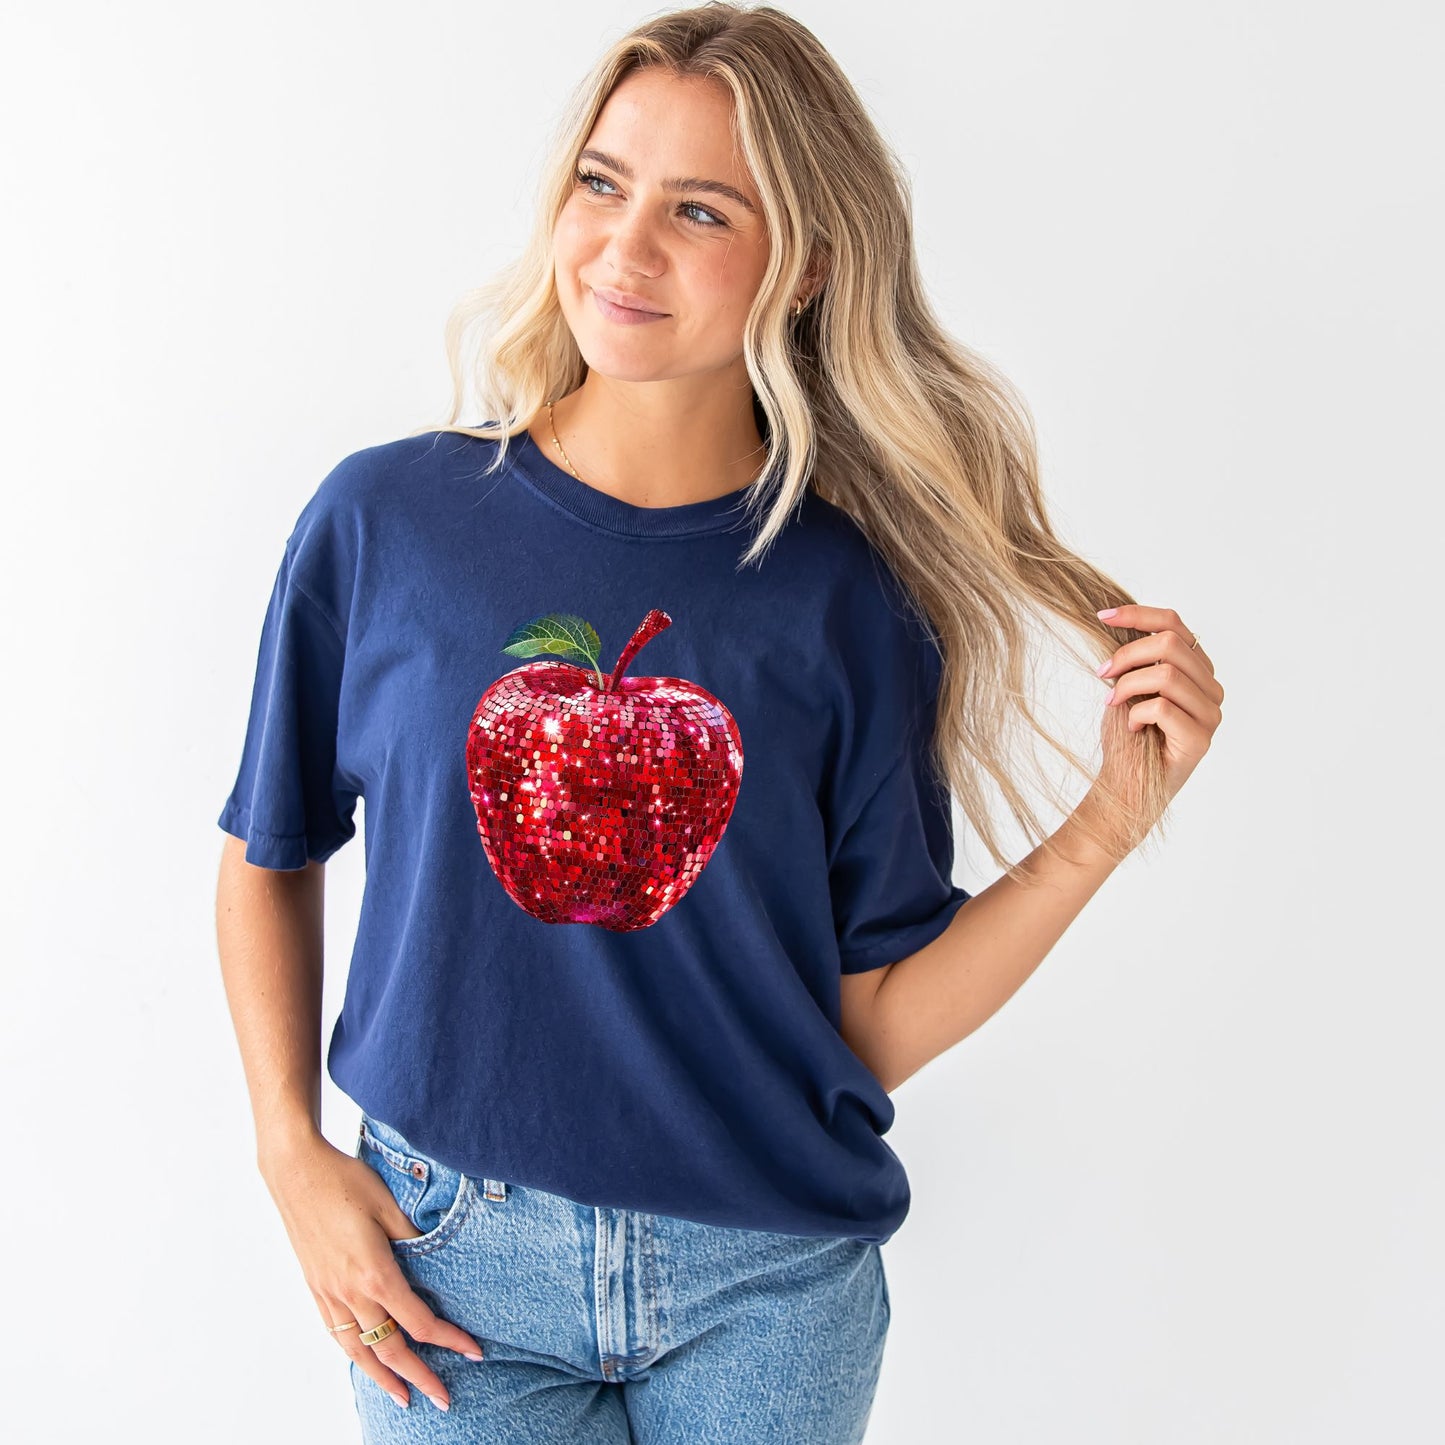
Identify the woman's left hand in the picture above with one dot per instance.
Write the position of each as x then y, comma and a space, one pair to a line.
1174, 682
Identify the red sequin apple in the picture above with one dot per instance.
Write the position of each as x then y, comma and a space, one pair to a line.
598, 799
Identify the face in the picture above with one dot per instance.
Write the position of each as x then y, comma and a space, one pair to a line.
695, 254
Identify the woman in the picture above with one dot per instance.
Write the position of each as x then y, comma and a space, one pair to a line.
657, 686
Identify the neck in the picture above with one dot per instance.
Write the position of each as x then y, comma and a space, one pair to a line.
658, 453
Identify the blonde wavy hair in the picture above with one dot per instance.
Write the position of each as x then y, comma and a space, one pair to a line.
867, 400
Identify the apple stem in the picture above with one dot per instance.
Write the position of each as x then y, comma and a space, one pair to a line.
656, 621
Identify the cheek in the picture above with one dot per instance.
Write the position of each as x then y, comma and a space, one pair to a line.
730, 279
570, 241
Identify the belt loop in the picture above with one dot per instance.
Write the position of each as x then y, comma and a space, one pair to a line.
494, 1188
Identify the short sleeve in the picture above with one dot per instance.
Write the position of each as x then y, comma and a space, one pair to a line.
891, 870
290, 802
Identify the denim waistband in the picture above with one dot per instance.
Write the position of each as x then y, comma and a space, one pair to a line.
395, 1147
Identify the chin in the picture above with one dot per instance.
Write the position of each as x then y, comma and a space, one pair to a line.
619, 363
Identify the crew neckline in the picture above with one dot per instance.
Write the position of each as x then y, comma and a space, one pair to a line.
600, 509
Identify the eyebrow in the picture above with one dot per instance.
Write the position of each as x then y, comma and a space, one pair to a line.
682, 183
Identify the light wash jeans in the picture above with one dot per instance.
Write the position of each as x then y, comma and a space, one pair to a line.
605, 1326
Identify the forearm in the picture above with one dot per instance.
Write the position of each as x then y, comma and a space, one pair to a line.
936, 997
269, 931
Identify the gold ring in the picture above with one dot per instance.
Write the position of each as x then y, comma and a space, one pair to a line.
388, 1326
336, 1329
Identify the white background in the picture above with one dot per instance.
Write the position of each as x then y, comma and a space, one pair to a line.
1181, 1188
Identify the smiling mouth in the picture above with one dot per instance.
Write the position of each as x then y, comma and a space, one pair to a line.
626, 305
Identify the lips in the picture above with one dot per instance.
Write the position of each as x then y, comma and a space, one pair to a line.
627, 301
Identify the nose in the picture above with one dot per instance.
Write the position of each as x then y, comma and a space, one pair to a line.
633, 247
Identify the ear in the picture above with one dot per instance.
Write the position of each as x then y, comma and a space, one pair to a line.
815, 275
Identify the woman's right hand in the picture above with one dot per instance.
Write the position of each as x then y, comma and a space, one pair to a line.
341, 1219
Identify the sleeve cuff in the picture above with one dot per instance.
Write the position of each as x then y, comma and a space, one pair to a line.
284, 851
903, 941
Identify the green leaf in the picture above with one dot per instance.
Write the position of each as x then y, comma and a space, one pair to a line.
562, 634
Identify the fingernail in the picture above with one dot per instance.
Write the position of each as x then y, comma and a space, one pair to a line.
1107, 612
1103, 667
1110, 697
400, 1400
470, 1356
440, 1404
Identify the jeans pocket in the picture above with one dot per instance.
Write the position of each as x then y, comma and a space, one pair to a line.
434, 1196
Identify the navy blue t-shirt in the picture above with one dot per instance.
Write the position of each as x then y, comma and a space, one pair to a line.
606, 907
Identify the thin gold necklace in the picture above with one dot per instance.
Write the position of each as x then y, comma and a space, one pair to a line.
552, 423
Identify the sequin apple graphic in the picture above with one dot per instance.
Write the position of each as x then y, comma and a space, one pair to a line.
598, 799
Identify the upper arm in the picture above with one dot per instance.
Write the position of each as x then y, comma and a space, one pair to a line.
857, 991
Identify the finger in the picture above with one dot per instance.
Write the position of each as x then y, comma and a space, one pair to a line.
341, 1325
1149, 619
394, 1353
1183, 735
1166, 681
1184, 732
360, 1354
413, 1314
339, 1321
1164, 647
407, 1308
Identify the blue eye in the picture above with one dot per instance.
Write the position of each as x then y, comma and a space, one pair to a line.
713, 222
